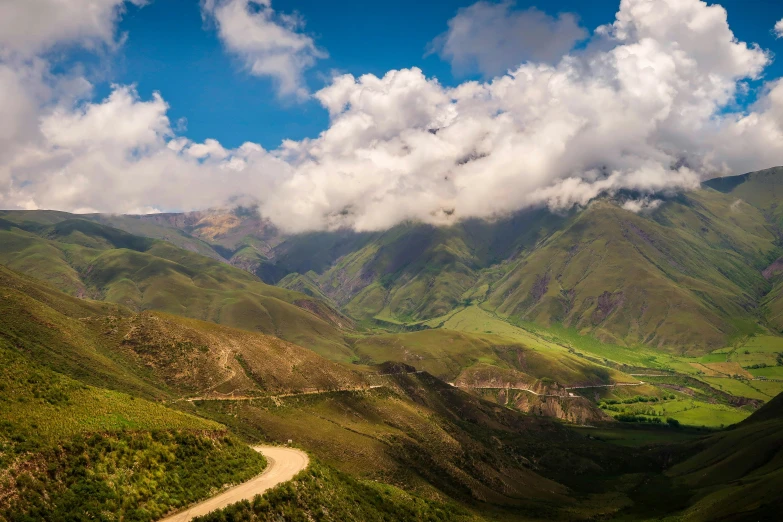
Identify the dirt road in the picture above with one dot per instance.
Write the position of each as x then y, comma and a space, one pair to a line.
283, 464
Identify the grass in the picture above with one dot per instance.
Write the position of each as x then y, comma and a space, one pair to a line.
44, 407
447, 354
676, 282
69, 450
736, 471
433, 440
740, 388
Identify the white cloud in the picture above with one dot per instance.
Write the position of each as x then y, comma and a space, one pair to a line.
269, 43
648, 109
492, 38
31, 26
642, 205
778, 29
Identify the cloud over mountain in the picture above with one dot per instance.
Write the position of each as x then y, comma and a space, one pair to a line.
649, 106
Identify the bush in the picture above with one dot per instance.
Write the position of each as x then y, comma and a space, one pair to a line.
129, 476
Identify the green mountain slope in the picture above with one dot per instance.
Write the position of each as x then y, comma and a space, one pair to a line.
152, 354
86, 259
689, 276
737, 474
69, 449
686, 277
73, 437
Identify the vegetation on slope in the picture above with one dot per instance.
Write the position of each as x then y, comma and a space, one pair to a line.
197, 358
736, 474
686, 278
69, 451
86, 259
691, 276
325, 494
438, 442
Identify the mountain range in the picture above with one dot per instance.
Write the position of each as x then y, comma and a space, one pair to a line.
690, 275
606, 362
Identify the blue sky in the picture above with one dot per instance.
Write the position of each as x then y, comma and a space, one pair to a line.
654, 104
169, 49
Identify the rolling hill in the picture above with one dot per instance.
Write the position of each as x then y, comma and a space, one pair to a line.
86, 259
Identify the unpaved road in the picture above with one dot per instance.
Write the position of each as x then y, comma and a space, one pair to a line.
282, 465
280, 396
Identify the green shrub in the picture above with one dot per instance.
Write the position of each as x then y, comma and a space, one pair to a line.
128, 476
324, 494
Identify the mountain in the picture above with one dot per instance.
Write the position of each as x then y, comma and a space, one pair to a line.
78, 434
689, 276
86, 259
89, 379
151, 354
76, 373
764, 191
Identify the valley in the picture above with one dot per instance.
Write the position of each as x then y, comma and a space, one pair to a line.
539, 366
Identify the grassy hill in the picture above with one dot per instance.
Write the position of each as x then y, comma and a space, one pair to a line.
86, 259
736, 474
69, 449
687, 278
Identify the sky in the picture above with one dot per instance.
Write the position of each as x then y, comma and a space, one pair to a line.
363, 115
169, 50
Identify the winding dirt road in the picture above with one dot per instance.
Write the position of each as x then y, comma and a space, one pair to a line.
282, 465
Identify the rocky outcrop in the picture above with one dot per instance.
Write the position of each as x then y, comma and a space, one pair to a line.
574, 410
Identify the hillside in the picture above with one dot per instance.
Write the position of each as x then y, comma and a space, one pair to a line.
166, 356
69, 449
688, 277
736, 474
153, 354
85, 259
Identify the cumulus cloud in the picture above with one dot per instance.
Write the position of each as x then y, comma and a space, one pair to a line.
650, 110
269, 43
491, 38
32, 26
778, 29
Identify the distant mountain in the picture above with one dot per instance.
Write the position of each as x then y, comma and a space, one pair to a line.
689, 275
